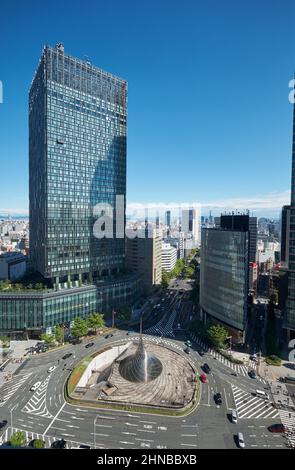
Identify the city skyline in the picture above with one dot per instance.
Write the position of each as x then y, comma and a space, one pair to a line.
212, 158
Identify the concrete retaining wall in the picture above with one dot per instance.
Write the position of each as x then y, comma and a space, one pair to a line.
103, 359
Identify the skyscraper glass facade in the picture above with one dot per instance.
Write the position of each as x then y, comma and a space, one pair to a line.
289, 317
224, 276
77, 150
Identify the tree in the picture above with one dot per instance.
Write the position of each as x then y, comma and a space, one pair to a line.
217, 335
79, 328
18, 439
49, 340
59, 333
165, 279
5, 341
95, 321
38, 444
125, 313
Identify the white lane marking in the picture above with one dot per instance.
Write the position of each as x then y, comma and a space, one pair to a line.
56, 416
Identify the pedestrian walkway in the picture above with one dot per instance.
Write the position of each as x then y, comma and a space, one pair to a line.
288, 420
29, 436
163, 328
249, 406
11, 386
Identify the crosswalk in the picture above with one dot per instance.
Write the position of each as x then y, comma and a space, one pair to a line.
9, 388
29, 436
288, 420
249, 406
238, 368
37, 403
164, 328
157, 341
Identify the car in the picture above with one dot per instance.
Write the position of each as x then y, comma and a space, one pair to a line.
76, 341
188, 342
59, 444
109, 335
3, 423
277, 428
252, 374
204, 379
130, 332
35, 386
253, 357
217, 398
51, 369
201, 353
241, 441
66, 356
234, 416
88, 345
206, 368
187, 350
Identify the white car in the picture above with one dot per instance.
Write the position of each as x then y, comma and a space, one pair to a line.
241, 440
51, 369
35, 386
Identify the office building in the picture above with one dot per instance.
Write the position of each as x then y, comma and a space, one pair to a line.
285, 234
169, 257
190, 225
12, 266
77, 171
144, 256
224, 279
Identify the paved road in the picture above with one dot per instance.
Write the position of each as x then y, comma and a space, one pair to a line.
44, 413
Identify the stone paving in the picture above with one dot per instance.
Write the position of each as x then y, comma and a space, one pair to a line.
174, 388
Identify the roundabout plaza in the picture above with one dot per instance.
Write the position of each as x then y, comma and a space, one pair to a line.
134, 374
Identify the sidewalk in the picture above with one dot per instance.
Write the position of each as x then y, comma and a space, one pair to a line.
17, 357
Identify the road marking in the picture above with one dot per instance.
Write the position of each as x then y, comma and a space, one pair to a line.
188, 435
125, 442
130, 433
102, 426
58, 413
190, 445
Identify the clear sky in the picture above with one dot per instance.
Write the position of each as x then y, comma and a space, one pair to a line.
209, 117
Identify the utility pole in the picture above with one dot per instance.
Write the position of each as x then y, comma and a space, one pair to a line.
113, 318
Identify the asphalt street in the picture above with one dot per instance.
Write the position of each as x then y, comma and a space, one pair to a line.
45, 413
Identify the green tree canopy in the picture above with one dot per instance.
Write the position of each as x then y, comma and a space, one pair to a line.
79, 328
125, 313
38, 444
49, 340
18, 439
95, 321
59, 333
217, 334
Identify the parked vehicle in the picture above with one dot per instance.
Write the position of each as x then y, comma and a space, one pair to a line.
3, 423
188, 343
109, 335
187, 350
88, 345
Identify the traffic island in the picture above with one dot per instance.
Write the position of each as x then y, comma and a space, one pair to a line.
97, 381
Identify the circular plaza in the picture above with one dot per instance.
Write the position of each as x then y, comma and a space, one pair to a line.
139, 373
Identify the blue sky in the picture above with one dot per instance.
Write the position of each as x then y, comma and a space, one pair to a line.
209, 117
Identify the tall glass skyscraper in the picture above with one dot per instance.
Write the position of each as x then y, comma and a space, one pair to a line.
224, 278
77, 159
289, 317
